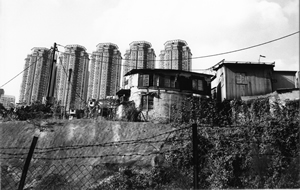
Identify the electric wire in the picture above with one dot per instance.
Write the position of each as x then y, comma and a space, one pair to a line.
211, 55
197, 57
23, 70
250, 47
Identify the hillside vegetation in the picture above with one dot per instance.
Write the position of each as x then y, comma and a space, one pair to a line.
251, 144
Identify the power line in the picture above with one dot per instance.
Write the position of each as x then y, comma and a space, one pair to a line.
23, 70
16, 76
242, 49
197, 57
212, 55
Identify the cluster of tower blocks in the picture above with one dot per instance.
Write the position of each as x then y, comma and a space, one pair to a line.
80, 76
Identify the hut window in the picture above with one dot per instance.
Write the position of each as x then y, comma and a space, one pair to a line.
194, 84
143, 80
167, 82
172, 82
241, 78
147, 102
200, 85
197, 84
156, 80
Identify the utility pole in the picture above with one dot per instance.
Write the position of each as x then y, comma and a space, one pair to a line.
51, 84
67, 97
195, 155
28, 159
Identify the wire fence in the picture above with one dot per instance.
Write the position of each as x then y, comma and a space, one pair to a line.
54, 176
62, 169
59, 167
46, 173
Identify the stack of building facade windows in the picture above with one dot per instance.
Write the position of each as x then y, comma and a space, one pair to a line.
36, 76
105, 71
72, 77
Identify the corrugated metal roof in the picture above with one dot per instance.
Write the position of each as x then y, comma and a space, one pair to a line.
221, 63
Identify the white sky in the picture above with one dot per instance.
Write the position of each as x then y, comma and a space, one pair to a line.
208, 26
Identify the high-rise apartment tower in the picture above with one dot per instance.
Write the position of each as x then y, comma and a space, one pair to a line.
105, 71
36, 76
139, 56
72, 77
177, 55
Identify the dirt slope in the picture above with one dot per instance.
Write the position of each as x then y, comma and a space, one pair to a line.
95, 138
82, 153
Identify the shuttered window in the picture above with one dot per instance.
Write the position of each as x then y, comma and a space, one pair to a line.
194, 84
167, 82
172, 82
147, 101
144, 80
156, 80
200, 85
197, 84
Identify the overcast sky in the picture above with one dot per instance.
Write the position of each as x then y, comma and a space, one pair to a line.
208, 27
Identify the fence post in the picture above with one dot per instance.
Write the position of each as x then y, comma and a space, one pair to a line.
28, 159
195, 155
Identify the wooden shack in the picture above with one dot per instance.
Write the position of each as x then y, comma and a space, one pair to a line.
235, 79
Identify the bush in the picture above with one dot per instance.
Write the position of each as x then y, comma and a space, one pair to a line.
55, 182
131, 113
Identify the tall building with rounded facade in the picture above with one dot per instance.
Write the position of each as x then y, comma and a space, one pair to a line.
105, 71
72, 77
176, 55
139, 56
36, 76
